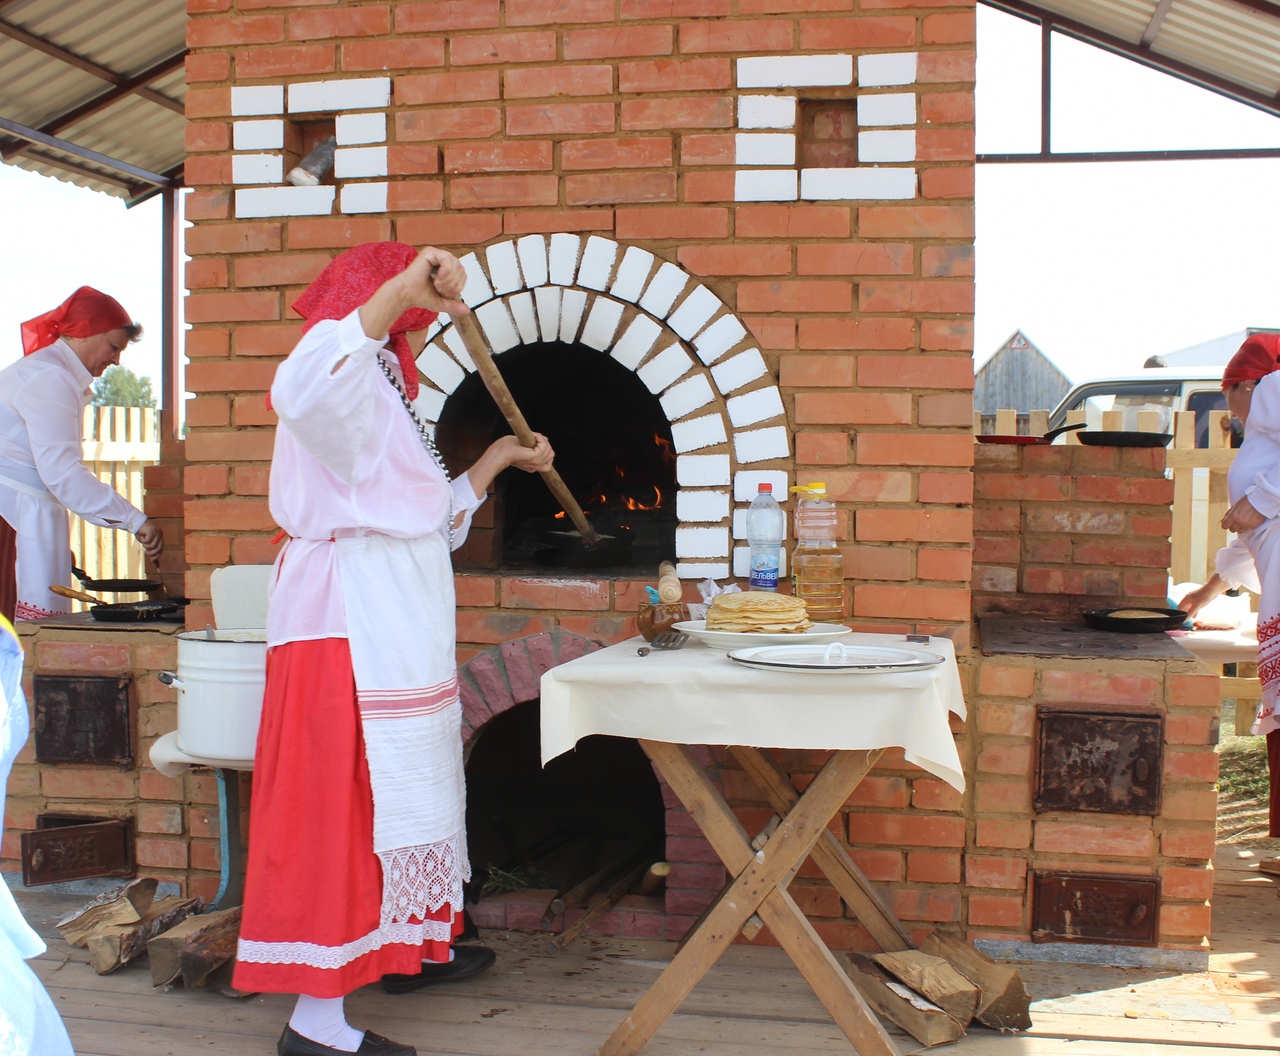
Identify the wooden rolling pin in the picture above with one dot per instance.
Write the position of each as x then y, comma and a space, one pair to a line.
474, 340
669, 589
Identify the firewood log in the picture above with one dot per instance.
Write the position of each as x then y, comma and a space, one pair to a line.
935, 979
122, 905
917, 1015
1004, 1003
115, 946
194, 948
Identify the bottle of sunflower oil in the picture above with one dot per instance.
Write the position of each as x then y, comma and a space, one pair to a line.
817, 566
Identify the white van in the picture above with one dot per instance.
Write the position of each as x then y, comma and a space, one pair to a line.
1162, 389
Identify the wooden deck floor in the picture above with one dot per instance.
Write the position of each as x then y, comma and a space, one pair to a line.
539, 1002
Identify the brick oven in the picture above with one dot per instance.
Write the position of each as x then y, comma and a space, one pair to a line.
708, 250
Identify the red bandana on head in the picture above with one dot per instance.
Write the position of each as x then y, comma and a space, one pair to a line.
85, 313
350, 280
1255, 359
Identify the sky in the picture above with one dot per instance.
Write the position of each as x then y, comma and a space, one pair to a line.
1100, 265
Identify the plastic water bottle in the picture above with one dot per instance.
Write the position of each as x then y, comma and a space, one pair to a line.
766, 526
817, 566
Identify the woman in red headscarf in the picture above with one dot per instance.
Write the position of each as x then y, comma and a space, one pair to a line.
1251, 560
42, 475
359, 850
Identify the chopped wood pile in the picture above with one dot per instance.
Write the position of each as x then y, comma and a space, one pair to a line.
181, 942
933, 993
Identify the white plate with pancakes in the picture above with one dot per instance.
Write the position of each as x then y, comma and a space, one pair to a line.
817, 633
836, 657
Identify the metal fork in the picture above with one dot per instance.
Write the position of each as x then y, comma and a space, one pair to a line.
664, 640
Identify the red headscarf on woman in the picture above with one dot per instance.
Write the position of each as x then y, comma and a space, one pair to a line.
85, 313
1254, 360
350, 280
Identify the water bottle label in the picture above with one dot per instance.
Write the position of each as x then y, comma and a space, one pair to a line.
764, 571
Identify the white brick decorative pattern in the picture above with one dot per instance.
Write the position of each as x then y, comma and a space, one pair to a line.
885, 71
355, 162
640, 336
515, 288
889, 145
499, 330
741, 370
363, 198
718, 338
776, 71
765, 185
702, 542
667, 367
702, 505
697, 433
839, 184
746, 483
700, 570
364, 93
353, 129
688, 396
634, 269
700, 471
257, 168
765, 148
284, 201
898, 108
532, 250
429, 404
694, 311
766, 111
597, 262
258, 135
602, 323
663, 289
257, 100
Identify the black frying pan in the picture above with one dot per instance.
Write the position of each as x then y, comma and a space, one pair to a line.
1124, 438
119, 585
133, 611
1160, 620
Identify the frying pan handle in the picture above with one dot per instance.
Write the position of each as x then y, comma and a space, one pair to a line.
1064, 429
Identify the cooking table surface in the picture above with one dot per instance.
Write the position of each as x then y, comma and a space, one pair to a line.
697, 695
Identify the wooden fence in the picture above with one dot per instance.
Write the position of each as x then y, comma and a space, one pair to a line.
119, 441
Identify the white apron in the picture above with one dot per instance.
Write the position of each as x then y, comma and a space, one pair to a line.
44, 546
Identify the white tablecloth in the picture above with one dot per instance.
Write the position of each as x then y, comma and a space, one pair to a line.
1219, 647
697, 695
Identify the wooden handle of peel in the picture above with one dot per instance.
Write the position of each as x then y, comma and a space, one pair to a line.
78, 595
466, 326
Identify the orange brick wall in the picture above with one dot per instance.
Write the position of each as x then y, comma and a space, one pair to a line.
614, 119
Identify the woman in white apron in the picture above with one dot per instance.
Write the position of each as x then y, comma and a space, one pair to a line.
42, 472
358, 850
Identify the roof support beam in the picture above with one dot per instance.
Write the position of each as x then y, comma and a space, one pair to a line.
65, 146
1100, 39
1157, 20
88, 66
100, 102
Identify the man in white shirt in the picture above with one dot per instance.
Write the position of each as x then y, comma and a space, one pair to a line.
42, 472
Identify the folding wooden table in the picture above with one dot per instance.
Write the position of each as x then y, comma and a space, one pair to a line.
696, 695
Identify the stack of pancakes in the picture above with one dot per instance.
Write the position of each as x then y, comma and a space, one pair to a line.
757, 611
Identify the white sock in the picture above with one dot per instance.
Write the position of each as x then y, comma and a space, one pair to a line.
322, 1019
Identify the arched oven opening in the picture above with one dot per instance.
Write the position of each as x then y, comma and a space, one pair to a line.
586, 820
613, 450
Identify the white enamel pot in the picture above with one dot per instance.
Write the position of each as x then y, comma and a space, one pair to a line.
220, 679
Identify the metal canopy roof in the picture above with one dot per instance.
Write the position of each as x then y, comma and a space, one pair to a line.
91, 91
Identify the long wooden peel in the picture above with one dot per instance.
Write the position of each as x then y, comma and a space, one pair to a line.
474, 340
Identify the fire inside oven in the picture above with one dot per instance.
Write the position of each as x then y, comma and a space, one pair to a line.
613, 450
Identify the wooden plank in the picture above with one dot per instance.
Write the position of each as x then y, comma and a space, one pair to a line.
1074, 418
858, 893
1150, 421
1113, 421
922, 1019
1006, 422
1200, 458
1037, 422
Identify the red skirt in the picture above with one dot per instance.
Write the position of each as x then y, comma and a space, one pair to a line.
313, 886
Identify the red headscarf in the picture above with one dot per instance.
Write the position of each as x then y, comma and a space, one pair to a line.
350, 280
85, 313
1254, 360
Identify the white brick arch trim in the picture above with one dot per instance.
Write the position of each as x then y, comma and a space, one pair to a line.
681, 341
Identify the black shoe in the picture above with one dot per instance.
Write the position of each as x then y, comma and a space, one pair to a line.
467, 961
292, 1043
